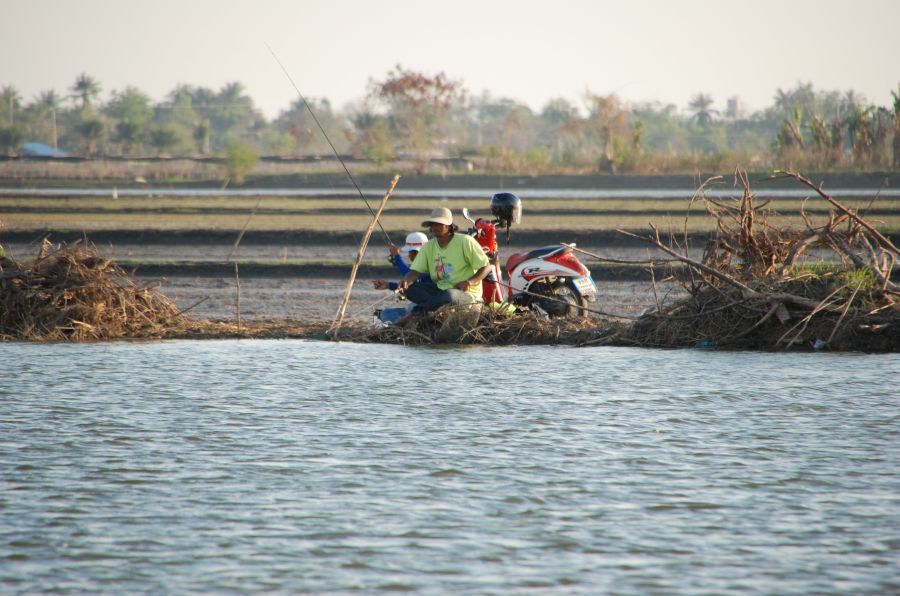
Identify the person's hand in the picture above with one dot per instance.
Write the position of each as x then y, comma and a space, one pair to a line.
394, 250
402, 285
463, 285
380, 284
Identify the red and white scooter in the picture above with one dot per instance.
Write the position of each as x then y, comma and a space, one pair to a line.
549, 279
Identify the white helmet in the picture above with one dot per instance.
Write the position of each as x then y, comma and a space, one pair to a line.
414, 241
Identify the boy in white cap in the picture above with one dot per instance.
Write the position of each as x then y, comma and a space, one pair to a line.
455, 264
414, 242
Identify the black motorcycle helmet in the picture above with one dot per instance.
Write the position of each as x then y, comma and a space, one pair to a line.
506, 207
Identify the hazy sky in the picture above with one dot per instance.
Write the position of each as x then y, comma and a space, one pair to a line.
527, 50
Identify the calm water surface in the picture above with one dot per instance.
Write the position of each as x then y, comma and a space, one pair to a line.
310, 466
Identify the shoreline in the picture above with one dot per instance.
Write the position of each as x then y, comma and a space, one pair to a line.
315, 300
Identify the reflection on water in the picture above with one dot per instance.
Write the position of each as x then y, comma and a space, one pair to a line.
309, 466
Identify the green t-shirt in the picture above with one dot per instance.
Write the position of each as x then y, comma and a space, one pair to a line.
451, 264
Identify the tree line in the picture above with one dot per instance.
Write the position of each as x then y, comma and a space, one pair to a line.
419, 117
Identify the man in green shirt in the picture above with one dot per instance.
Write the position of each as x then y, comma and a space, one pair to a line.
455, 262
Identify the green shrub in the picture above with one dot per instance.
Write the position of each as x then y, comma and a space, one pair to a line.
239, 160
864, 279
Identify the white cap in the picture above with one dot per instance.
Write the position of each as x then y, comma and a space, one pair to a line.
414, 241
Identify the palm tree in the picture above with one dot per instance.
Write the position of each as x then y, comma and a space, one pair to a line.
231, 93
11, 140
48, 103
92, 130
201, 136
11, 100
86, 88
129, 134
233, 108
559, 116
896, 107
181, 95
850, 103
558, 111
203, 97
163, 138
701, 105
860, 129
802, 96
784, 101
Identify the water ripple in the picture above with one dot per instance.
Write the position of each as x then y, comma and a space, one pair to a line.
299, 466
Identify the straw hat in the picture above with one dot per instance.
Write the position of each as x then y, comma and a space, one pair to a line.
440, 215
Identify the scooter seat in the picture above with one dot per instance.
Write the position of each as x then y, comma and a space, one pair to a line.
516, 258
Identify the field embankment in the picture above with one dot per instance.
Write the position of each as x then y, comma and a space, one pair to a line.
277, 173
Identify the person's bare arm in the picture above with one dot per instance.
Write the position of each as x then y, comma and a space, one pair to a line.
411, 277
479, 275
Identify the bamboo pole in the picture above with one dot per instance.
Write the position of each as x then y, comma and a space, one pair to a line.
234, 248
237, 241
237, 282
339, 317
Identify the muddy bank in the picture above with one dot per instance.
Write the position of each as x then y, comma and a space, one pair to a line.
74, 294
316, 299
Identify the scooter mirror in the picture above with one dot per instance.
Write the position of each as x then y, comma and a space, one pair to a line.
465, 212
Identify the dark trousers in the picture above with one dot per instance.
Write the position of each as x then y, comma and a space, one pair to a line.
427, 297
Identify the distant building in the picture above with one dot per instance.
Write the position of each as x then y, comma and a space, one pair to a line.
734, 108
35, 149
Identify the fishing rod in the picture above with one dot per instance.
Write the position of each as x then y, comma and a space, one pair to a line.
330, 144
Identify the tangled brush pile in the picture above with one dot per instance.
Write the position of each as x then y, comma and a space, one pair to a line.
487, 327
74, 294
753, 289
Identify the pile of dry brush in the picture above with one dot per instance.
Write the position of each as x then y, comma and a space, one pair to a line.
487, 327
754, 288
74, 294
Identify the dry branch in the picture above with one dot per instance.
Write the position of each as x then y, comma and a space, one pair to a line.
845, 210
749, 296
